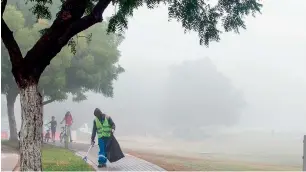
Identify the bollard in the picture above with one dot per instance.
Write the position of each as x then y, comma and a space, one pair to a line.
304, 153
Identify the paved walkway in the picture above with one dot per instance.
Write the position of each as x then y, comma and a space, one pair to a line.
8, 161
128, 163
9, 158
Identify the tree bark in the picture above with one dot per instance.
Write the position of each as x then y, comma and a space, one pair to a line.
48, 101
10, 100
31, 128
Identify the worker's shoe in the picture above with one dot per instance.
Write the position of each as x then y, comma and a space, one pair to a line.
101, 165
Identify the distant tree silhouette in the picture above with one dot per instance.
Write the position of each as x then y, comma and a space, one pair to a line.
200, 96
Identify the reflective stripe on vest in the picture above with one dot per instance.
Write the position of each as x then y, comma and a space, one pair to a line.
103, 130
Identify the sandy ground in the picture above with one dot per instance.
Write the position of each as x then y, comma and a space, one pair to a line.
215, 155
276, 153
183, 163
229, 152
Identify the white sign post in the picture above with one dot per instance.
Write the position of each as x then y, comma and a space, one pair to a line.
304, 153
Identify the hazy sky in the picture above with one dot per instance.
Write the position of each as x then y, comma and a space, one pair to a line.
267, 62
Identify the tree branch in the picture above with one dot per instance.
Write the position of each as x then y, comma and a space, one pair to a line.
82, 24
56, 38
35, 58
14, 52
48, 101
11, 45
71, 11
3, 5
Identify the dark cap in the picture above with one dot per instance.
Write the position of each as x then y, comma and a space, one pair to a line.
97, 112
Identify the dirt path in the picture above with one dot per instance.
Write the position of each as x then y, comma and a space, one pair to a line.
181, 163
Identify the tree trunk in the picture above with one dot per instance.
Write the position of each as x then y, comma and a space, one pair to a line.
10, 100
31, 128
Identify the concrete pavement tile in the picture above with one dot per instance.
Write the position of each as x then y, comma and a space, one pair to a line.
128, 163
8, 161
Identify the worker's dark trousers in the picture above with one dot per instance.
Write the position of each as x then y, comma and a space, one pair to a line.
102, 153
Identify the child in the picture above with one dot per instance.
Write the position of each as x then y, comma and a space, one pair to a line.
53, 127
47, 136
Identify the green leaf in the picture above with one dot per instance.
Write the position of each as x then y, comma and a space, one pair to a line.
13, 18
44, 80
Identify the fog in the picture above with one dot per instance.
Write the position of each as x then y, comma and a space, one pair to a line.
252, 84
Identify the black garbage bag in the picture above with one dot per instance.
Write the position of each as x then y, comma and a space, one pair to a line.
113, 150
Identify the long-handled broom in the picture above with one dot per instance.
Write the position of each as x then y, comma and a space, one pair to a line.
85, 157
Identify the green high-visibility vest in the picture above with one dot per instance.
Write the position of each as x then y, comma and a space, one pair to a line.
103, 130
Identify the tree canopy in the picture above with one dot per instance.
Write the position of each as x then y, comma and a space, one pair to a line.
200, 16
92, 68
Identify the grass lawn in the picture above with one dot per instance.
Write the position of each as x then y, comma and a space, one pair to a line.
180, 163
58, 159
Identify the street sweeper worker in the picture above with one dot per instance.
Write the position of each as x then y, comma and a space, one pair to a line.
104, 126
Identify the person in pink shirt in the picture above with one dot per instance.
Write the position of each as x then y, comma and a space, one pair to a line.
68, 122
